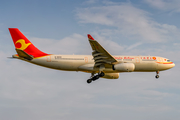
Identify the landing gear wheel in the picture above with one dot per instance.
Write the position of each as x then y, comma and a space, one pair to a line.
157, 76
95, 77
89, 81
101, 74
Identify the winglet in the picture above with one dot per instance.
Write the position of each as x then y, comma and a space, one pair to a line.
90, 37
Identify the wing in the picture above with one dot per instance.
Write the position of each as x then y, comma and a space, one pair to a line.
100, 55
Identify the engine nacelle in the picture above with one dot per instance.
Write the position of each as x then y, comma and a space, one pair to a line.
111, 75
124, 67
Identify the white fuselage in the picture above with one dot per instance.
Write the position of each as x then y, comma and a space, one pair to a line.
85, 63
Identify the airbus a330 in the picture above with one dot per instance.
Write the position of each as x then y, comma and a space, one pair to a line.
101, 64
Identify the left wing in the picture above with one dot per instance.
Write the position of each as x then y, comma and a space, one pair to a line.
100, 55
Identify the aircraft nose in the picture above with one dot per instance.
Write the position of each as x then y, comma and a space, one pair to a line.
172, 65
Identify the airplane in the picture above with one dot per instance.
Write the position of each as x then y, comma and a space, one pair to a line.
101, 64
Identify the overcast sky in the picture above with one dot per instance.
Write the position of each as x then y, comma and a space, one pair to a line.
122, 27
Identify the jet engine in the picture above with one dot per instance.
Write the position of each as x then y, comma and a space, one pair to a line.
111, 75
124, 67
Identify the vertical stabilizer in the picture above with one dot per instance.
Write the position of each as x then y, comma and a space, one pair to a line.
23, 44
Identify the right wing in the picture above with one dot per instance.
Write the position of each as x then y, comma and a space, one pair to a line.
100, 55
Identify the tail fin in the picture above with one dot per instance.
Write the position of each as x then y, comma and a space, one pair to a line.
23, 44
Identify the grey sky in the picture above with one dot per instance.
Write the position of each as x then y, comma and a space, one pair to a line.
123, 27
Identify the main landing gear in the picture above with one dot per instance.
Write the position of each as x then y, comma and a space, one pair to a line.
93, 78
157, 76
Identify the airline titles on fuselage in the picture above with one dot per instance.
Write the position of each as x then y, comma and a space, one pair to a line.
117, 58
147, 58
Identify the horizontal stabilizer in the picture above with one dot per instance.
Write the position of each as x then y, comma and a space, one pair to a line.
23, 54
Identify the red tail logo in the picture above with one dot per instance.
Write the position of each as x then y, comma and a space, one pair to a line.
22, 43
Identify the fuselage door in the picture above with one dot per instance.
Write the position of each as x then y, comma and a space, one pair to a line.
159, 59
86, 59
48, 58
137, 59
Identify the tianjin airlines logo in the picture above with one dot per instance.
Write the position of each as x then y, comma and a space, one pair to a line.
23, 44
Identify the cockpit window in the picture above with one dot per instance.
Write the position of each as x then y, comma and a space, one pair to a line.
168, 61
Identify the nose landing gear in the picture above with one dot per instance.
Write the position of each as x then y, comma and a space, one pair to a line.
93, 78
157, 76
